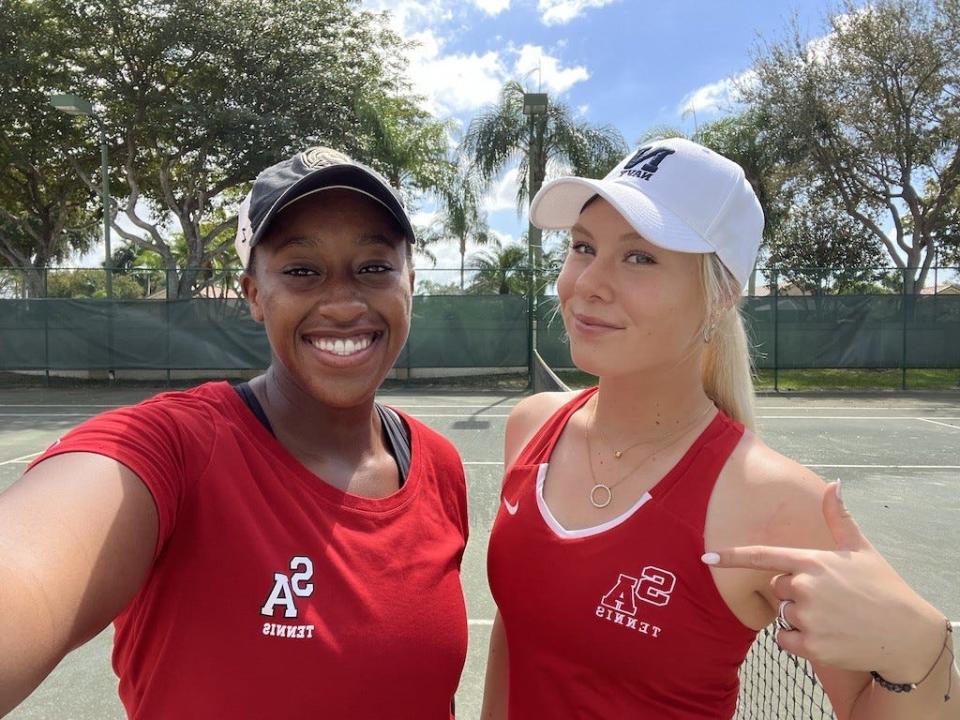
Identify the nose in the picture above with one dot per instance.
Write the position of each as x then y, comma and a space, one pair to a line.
593, 282
342, 303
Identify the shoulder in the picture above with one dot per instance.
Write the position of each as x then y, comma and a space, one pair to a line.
783, 499
527, 417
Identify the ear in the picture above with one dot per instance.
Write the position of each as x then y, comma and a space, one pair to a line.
251, 292
413, 279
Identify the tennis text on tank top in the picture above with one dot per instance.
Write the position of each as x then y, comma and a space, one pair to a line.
622, 620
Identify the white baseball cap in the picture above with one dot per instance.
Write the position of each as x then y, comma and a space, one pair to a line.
676, 194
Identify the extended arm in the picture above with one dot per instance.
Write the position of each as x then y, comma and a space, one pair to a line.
77, 539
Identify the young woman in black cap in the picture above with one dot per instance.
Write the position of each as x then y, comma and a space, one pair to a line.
645, 534
286, 548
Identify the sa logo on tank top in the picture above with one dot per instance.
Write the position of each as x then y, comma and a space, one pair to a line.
620, 604
282, 603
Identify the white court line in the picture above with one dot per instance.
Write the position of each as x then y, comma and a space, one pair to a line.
479, 621
852, 408
809, 465
887, 467
21, 459
86, 414
955, 427
58, 405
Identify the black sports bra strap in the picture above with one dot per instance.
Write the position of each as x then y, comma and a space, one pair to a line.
246, 393
398, 440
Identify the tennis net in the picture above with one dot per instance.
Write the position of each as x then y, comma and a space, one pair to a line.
544, 378
775, 684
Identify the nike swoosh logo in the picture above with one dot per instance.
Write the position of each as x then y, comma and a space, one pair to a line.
512, 509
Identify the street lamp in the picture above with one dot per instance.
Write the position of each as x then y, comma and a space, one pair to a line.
534, 105
73, 105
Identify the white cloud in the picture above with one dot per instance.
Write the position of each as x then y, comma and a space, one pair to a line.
717, 96
406, 16
453, 83
492, 7
554, 78
559, 12
503, 193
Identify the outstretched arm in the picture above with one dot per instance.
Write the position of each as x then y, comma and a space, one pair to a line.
849, 612
77, 539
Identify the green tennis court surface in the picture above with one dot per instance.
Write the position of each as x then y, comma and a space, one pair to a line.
897, 455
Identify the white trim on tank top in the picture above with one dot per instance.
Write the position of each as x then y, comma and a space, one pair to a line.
561, 531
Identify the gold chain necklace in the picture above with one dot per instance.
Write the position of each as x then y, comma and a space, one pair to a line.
604, 490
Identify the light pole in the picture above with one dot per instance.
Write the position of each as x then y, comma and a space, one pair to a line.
73, 105
534, 107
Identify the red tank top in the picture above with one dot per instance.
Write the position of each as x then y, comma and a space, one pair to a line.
622, 620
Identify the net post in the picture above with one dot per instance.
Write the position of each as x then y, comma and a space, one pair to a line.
903, 345
775, 294
45, 306
531, 339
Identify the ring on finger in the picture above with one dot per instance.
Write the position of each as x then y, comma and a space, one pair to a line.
782, 621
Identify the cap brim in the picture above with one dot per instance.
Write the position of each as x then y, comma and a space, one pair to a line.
351, 177
558, 204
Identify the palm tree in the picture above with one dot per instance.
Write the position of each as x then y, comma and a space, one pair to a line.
500, 270
460, 217
501, 135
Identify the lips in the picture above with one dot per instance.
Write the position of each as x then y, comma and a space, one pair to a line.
594, 323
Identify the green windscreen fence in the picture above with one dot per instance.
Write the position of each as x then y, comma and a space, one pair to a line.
56, 334
466, 331
833, 331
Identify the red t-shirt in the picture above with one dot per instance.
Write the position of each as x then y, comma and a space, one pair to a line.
274, 594
622, 620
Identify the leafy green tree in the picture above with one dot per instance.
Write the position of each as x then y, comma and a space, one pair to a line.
432, 287
198, 98
821, 249
44, 212
90, 283
500, 270
871, 113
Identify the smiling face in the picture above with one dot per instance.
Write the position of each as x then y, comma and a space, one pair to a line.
628, 305
332, 284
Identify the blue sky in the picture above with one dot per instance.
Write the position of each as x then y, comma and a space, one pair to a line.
634, 64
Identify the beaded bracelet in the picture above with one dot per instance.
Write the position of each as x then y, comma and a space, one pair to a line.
907, 687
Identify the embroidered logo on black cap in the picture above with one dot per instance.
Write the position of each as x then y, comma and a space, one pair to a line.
651, 157
318, 157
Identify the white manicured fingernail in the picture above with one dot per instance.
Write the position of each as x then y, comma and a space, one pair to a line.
710, 558
839, 492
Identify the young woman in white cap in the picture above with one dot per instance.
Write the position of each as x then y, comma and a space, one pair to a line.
645, 534
287, 548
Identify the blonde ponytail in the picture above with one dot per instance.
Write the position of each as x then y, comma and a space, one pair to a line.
725, 368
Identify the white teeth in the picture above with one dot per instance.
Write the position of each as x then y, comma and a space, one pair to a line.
341, 346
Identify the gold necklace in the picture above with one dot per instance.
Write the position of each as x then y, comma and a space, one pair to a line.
604, 490
617, 454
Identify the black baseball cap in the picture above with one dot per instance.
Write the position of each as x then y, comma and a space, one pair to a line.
313, 170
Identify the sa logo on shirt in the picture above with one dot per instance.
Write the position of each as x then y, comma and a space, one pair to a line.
619, 604
282, 596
